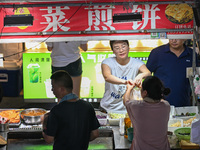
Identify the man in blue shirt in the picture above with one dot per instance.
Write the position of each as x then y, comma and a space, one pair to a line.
169, 62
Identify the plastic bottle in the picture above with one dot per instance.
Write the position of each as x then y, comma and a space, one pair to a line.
196, 81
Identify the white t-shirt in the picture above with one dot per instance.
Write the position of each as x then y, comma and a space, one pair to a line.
112, 99
64, 53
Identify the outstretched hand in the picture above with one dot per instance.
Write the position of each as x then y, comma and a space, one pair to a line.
130, 84
138, 81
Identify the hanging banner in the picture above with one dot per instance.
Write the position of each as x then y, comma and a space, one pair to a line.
98, 18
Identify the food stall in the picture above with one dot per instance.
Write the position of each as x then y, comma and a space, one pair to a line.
88, 20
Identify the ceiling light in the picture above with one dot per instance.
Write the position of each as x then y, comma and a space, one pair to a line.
18, 20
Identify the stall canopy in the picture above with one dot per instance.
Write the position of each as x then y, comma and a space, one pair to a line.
50, 20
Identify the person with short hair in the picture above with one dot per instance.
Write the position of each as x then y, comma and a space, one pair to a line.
149, 116
72, 123
169, 63
117, 71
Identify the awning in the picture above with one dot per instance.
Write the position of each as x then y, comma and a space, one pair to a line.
93, 20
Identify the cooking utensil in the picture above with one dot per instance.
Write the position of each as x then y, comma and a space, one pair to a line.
4, 127
32, 116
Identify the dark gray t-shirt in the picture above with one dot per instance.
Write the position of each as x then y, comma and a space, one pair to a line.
71, 124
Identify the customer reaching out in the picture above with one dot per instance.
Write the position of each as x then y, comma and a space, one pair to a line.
149, 116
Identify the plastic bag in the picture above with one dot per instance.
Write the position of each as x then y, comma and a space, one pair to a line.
136, 94
195, 132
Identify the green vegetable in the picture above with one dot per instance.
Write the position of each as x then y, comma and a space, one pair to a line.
116, 115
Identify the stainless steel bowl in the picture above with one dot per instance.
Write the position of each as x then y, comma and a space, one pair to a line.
32, 119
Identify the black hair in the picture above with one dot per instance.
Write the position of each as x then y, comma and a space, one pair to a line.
113, 41
155, 88
63, 78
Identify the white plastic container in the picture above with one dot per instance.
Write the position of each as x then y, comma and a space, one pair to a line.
114, 117
174, 124
172, 111
102, 121
184, 110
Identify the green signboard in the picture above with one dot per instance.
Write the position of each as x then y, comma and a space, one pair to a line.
93, 83
37, 72
36, 76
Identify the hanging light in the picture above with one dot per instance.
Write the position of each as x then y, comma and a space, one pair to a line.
127, 17
18, 20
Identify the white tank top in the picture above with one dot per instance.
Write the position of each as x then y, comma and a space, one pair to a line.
112, 99
64, 53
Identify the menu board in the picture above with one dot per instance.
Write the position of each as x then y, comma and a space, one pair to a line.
36, 77
37, 72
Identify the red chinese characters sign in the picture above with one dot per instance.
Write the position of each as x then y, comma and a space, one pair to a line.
93, 18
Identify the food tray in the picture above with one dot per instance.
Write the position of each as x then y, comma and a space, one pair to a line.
12, 125
115, 121
184, 110
102, 121
174, 124
187, 121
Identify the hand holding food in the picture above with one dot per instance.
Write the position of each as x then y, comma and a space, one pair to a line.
138, 81
130, 84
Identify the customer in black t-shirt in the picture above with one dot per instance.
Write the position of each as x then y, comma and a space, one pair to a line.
72, 123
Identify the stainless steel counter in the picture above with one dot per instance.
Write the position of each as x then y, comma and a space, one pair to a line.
109, 139
30, 139
120, 142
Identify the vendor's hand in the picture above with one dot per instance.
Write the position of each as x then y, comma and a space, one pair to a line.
138, 81
130, 84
